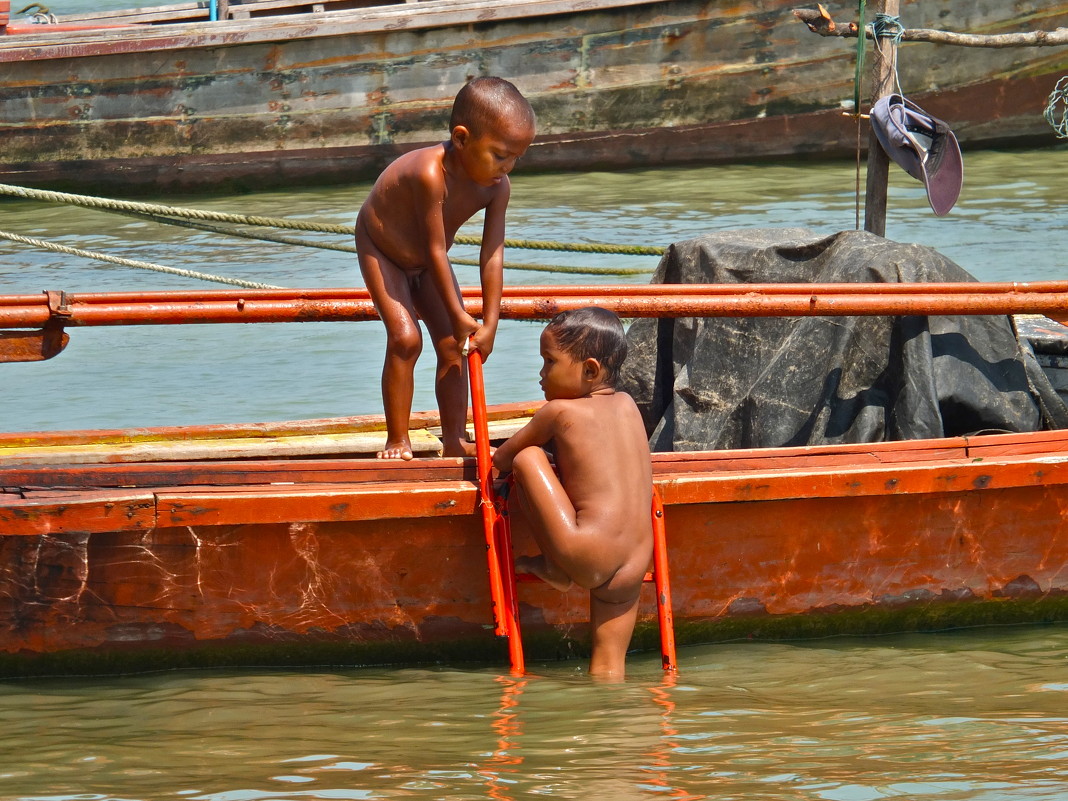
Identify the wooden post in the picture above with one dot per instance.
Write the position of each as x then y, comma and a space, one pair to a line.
884, 67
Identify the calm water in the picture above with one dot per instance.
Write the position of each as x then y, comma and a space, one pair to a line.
951, 717
1008, 225
979, 715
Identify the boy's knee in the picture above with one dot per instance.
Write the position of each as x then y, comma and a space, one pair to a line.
448, 351
405, 345
528, 461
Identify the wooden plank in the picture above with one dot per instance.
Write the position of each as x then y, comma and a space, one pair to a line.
378, 19
57, 511
333, 503
296, 471
887, 480
873, 453
254, 8
329, 425
173, 12
88, 512
360, 443
1010, 445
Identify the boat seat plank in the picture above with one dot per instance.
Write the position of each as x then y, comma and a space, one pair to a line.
232, 473
357, 443
328, 425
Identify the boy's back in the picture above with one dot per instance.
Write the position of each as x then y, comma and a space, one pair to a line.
602, 454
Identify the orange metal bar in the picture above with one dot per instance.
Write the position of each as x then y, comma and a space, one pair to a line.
628, 301
561, 290
505, 621
664, 614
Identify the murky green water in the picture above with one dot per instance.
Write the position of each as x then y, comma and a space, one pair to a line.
973, 716
1008, 225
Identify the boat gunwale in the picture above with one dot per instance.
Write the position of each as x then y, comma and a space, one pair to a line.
396, 18
30, 506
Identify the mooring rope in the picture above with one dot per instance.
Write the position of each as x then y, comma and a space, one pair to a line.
142, 265
218, 229
290, 240
110, 204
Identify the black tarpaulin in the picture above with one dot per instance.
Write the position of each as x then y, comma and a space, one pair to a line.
771, 381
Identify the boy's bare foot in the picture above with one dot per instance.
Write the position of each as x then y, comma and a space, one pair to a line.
397, 450
461, 448
538, 566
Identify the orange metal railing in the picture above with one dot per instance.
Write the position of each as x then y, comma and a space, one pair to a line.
540, 302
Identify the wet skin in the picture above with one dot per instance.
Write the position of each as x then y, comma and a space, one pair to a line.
592, 521
403, 233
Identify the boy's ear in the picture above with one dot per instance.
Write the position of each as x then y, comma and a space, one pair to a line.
591, 369
460, 135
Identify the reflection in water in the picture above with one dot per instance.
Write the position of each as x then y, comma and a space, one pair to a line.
660, 763
968, 716
504, 764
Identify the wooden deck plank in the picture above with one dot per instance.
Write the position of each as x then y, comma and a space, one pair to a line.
327, 425
358, 443
257, 472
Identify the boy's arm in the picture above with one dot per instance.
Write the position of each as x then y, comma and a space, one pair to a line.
431, 189
538, 431
491, 261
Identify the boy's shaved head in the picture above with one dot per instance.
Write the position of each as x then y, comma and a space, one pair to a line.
484, 102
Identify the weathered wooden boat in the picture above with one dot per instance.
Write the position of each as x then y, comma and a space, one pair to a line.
281, 91
280, 544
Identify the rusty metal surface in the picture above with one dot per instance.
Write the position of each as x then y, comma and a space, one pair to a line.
32, 346
626, 83
350, 553
802, 300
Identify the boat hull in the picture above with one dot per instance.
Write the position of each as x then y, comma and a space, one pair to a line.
334, 97
131, 565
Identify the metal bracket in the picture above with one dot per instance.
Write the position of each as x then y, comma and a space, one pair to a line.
43, 343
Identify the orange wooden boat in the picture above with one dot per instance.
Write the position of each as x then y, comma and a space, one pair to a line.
281, 544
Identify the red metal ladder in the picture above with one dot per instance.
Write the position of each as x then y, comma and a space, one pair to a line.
500, 560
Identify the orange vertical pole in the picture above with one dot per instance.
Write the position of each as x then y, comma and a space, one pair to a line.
505, 621
664, 614
508, 578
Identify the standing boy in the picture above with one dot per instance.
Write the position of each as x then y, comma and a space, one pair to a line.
403, 233
593, 523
